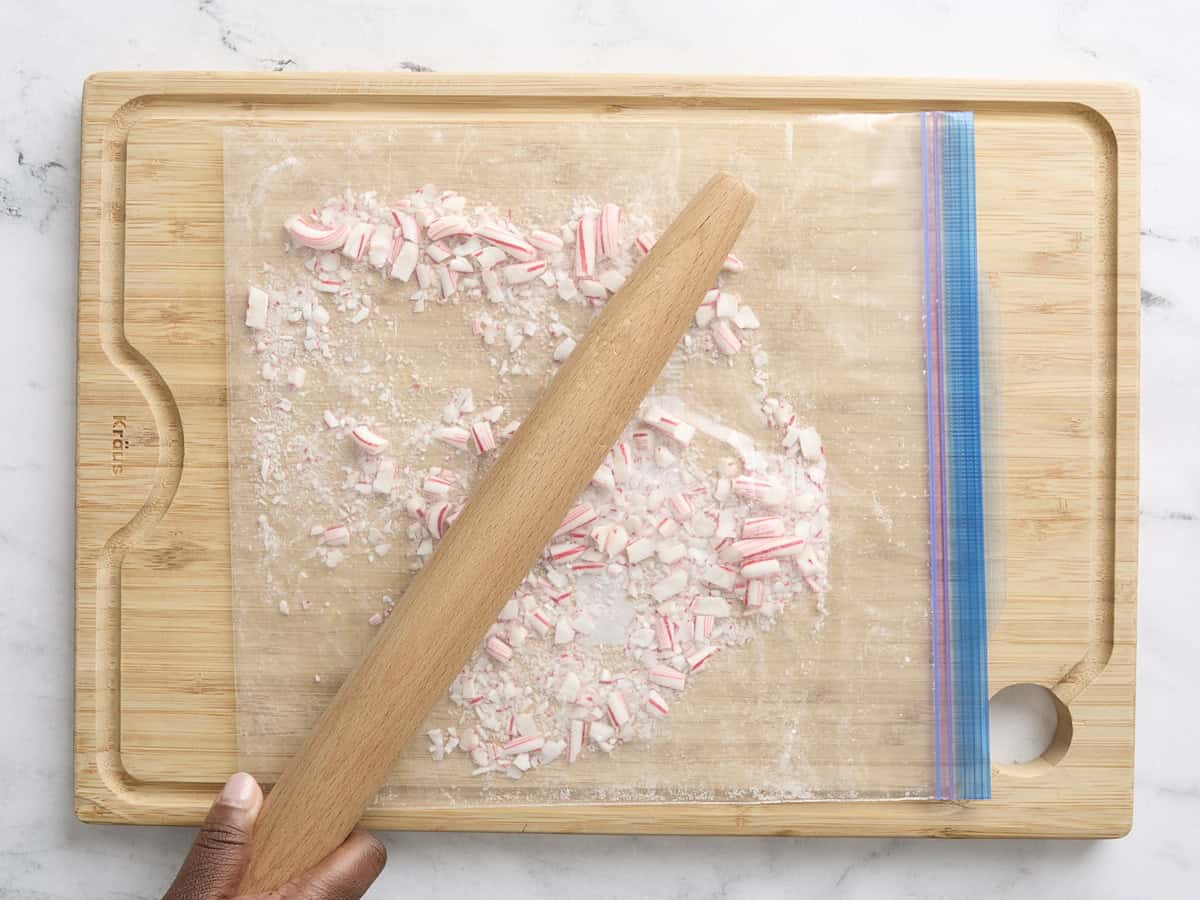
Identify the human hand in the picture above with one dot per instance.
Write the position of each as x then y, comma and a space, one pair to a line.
217, 861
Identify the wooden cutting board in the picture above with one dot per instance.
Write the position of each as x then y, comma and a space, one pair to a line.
1058, 227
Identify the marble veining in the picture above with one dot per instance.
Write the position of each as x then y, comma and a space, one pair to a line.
46, 855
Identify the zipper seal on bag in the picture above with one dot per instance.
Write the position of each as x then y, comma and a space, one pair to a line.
958, 575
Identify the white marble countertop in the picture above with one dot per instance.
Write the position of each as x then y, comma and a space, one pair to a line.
51, 47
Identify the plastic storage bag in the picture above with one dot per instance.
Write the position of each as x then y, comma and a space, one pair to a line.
859, 264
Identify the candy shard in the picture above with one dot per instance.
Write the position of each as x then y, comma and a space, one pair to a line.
618, 710
256, 308
672, 585
520, 273
565, 348
656, 704
482, 438
498, 650
367, 440
585, 246
316, 235
577, 517
668, 677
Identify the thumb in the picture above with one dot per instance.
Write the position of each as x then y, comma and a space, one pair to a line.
218, 858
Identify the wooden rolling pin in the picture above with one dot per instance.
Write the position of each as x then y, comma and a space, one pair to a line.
506, 523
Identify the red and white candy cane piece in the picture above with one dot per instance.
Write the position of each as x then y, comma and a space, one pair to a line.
604, 478
256, 308
461, 266
664, 632
733, 264
545, 241
540, 622
576, 737
568, 690
612, 280
438, 483
379, 251
357, 241
317, 235
564, 349
645, 242
385, 477
368, 441
727, 305
448, 227
407, 224
592, 289
755, 595
643, 442
656, 704
737, 550
745, 319
579, 515
609, 243
439, 518
666, 526
763, 527
328, 284
703, 627
585, 246
563, 632
774, 548
425, 276
453, 435
726, 525
447, 280
622, 459
335, 536
438, 252
331, 421
668, 677
761, 568
672, 585
758, 488
558, 596
668, 424
610, 539
491, 283
415, 506
487, 257
670, 552
563, 552
725, 338
618, 710
498, 650
699, 657
523, 272
707, 310
526, 743
406, 261
585, 566
638, 550
681, 508
482, 438
512, 244
719, 576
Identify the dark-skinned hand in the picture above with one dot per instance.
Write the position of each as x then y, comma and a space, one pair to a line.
218, 858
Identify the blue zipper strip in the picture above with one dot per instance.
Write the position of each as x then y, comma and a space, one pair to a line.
957, 557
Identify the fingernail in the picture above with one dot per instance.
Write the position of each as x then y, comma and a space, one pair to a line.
239, 791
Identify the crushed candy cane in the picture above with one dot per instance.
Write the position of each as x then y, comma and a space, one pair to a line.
690, 539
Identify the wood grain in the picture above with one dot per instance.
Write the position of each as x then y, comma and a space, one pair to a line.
1057, 200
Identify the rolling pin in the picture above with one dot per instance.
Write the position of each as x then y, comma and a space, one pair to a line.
507, 521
